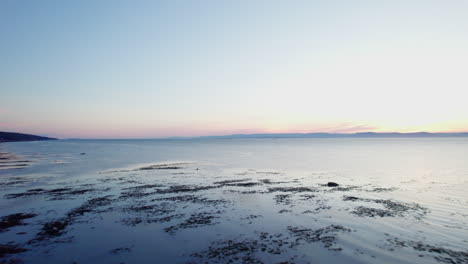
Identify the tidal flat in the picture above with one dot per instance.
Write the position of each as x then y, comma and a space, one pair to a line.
238, 201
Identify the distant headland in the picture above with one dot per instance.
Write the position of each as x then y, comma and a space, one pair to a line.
12, 137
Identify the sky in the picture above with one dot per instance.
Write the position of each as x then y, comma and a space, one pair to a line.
148, 69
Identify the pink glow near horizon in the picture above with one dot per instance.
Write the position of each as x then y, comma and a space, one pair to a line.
129, 132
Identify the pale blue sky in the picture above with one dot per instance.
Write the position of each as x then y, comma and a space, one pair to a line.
169, 68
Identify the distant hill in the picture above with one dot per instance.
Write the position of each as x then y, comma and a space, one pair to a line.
339, 135
11, 137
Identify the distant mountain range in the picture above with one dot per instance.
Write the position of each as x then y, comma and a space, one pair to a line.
340, 135
11, 137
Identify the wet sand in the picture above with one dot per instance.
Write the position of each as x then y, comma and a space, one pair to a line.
195, 212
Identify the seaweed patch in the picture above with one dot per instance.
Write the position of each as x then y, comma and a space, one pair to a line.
7, 249
53, 194
291, 189
194, 221
246, 250
438, 253
13, 220
326, 235
391, 208
58, 227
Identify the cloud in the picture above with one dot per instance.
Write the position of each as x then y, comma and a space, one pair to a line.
346, 128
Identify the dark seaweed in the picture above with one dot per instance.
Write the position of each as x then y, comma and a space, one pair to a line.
53, 194
58, 227
325, 235
12, 220
244, 250
192, 199
121, 250
284, 199
439, 253
231, 181
291, 189
194, 221
7, 249
391, 208
149, 220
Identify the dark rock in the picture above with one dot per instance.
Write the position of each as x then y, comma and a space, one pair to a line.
332, 184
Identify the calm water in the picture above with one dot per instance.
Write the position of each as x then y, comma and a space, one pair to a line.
238, 200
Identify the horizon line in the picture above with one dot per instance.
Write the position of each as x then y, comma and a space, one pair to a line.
293, 135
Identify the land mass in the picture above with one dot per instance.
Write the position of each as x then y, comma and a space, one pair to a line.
341, 135
11, 137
